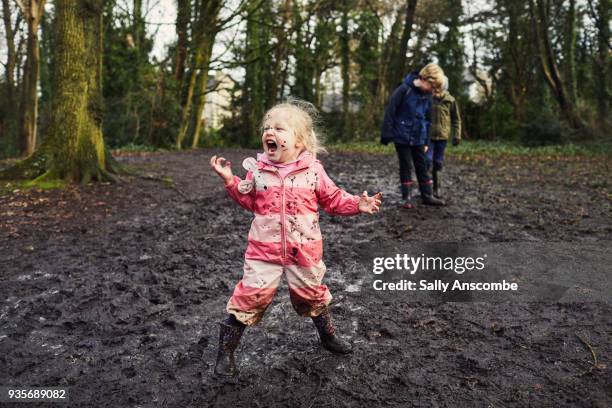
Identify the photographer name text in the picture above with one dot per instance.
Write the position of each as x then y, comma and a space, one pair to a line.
441, 286
410, 265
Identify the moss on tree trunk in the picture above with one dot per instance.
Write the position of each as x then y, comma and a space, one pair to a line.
74, 148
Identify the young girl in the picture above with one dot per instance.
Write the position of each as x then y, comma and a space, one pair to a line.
283, 188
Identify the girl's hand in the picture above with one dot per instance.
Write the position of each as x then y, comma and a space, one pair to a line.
370, 205
223, 168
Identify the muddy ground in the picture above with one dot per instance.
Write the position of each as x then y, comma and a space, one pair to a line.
114, 291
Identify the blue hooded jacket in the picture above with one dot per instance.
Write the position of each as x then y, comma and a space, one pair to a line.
407, 115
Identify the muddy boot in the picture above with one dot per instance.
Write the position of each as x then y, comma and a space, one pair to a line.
427, 195
327, 335
437, 184
431, 200
229, 338
407, 196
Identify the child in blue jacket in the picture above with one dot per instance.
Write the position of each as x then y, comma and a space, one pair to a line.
406, 124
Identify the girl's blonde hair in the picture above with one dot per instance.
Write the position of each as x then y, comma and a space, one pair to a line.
304, 119
433, 74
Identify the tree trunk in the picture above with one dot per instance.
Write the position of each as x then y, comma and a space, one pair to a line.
46, 68
10, 62
138, 27
29, 101
183, 15
280, 53
186, 112
202, 87
207, 28
303, 54
603, 63
570, 50
517, 49
548, 63
386, 82
398, 66
345, 64
318, 90
324, 37
284, 76
74, 148
257, 70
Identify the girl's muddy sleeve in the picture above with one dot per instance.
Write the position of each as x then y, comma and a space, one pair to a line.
333, 199
245, 200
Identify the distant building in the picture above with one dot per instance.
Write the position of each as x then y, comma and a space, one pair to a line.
218, 100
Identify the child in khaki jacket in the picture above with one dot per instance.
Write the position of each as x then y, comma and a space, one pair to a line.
445, 124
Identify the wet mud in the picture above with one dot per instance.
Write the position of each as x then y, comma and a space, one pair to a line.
115, 291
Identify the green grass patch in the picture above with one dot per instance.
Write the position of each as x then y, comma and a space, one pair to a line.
361, 147
44, 184
129, 168
168, 181
9, 187
487, 148
135, 148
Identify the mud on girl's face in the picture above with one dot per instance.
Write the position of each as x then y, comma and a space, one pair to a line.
279, 139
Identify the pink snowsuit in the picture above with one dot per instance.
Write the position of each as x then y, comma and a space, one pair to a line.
285, 236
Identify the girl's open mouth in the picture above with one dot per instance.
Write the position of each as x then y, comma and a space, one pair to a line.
271, 145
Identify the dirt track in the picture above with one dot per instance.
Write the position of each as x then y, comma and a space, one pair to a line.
114, 291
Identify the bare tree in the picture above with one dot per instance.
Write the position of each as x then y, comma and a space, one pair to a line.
601, 16
206, 27
32, 11
548, 63
11, 61
281, 49
183, 15
398, 64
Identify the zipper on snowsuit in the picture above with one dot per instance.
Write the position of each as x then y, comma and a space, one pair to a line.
282, 217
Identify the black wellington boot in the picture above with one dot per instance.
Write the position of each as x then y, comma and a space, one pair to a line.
229, 338
431, 200
437, 184
407, 196
427, 196
327, 335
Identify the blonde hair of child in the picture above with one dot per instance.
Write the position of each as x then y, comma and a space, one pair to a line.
434, 75
304, 121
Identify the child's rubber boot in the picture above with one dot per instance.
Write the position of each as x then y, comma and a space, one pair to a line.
327, 334
229, 338
427, 195
437, 184
431, 200
407, 196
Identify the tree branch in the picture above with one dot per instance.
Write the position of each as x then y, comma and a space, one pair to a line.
239, 10
41, 9
18, 20
22, 7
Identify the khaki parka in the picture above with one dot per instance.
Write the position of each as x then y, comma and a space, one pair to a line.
445, 118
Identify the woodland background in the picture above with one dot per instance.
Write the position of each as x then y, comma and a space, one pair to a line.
114, 290
534, 72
